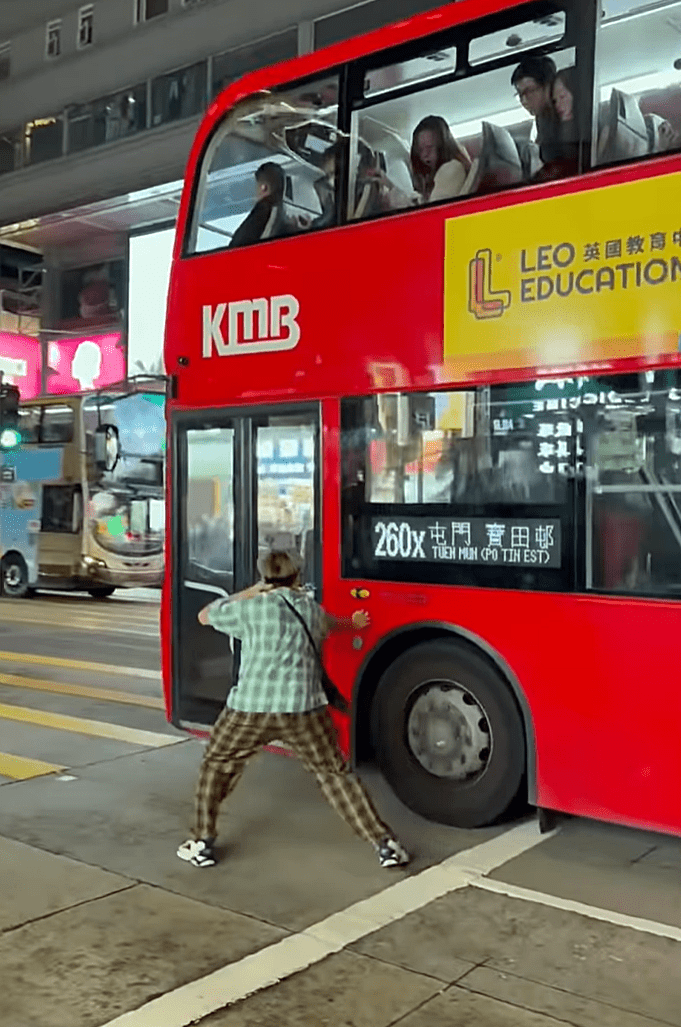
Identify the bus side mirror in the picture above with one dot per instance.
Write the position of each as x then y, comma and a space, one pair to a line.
107, 447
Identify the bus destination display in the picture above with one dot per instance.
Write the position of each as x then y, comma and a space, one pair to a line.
495, 541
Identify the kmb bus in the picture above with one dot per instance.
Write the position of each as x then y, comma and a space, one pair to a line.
103, 519
442, 361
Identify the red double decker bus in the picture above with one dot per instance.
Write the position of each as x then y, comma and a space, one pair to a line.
423, 327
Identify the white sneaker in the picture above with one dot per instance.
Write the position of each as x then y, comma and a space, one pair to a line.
198, 853
391, 853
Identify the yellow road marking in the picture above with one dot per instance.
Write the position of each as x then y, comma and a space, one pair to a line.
96, 728
62, 661
20, 769
84, 691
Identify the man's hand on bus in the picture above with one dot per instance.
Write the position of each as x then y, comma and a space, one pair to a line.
360, 619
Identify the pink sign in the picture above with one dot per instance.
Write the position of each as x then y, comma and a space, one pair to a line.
20, 363
91, 362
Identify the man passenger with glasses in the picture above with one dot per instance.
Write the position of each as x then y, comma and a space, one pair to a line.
533, 82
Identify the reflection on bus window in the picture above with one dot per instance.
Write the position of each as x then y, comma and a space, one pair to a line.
124, 525
640, 85
634, 486
462, 447
286, 504
140, 422
209, 506
264, 174
511, 447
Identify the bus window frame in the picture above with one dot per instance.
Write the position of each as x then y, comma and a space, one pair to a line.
576, 37
188, 250
581, 26
355, 560
244, 421
74, 490
45, 408
623, 162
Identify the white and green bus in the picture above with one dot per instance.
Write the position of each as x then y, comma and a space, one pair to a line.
102, 522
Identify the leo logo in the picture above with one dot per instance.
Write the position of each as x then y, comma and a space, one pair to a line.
483, 301
275, 320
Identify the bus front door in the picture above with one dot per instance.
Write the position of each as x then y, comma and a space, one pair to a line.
60, 543
244, 484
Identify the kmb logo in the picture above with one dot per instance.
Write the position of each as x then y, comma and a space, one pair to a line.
274, 318
483, 301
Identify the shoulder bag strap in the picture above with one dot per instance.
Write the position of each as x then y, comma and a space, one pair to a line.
335, 698
306, 629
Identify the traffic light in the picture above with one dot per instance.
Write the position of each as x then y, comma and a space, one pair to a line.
9, 406
10, 438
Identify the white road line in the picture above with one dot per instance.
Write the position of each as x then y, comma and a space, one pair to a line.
236, 981
608, 916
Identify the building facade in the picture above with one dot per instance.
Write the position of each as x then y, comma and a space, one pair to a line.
99, 103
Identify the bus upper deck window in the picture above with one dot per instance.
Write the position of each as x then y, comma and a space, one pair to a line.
57, 424
456, 120
639, 110
29, 424
265, 172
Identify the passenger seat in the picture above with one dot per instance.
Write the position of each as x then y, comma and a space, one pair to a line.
499, 163
625, 133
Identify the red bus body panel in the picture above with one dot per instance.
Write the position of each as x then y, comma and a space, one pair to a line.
597, 673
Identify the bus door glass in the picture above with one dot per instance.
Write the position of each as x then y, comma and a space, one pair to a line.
204, 659
245, 485
61, 532
286, 453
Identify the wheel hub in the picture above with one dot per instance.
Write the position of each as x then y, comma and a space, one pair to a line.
448, 731
12, 576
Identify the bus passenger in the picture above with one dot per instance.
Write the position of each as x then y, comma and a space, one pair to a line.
325, 186
533, 81
367, 187
267, 218
279, 696
564, 96
439, 166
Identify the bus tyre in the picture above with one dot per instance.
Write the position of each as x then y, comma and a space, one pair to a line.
14, 576
101, 593
448, 735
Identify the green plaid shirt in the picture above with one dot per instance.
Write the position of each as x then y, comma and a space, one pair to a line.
279, 673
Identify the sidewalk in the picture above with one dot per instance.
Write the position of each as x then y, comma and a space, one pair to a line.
80, 946
473, 959
110, 920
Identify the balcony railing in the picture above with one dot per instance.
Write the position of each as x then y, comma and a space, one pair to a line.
174, 96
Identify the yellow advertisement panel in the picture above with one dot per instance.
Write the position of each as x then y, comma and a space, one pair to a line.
594, 275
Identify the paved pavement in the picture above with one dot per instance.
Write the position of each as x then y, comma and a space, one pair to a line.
298, 926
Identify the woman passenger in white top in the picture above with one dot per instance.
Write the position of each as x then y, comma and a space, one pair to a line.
439, 166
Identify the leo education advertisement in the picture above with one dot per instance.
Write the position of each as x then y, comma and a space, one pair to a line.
585, 276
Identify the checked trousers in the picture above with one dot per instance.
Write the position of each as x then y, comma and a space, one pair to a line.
238, 736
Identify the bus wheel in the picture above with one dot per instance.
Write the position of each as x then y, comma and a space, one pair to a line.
14, 576
448, 735
101, 593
